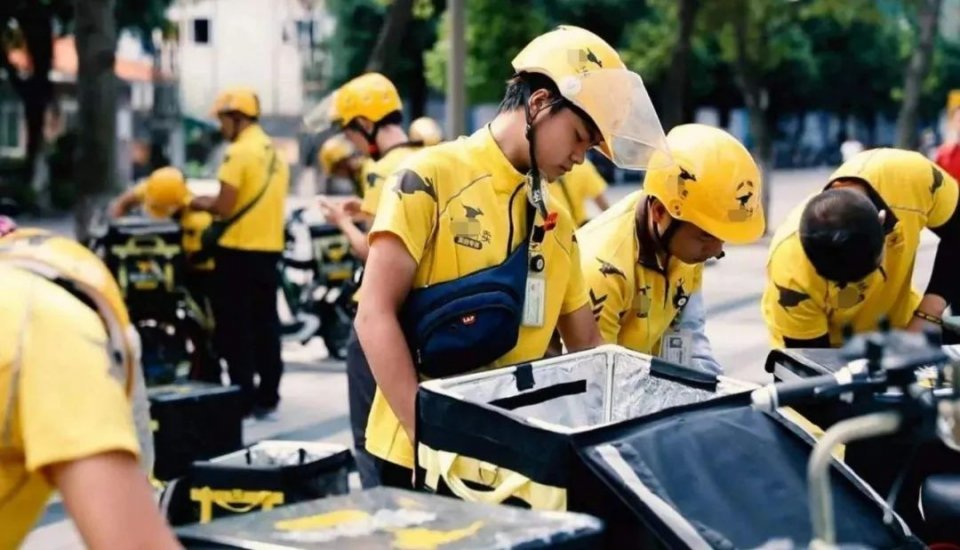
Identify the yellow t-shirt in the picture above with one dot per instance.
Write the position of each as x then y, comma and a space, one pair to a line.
799, 304
574, 189
245, 168
634, 304
458, 208
192, 222
58, 401
375, 174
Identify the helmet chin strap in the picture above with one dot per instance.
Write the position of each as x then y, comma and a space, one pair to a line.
371, 137
536, 185
662, 240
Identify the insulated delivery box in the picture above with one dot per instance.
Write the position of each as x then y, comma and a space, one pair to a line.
392, 518
512, 428
652, 449
266, 475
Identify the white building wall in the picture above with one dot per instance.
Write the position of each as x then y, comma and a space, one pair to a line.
251, 43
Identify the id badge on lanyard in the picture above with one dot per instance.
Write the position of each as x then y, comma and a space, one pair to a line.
535, 297
676, 346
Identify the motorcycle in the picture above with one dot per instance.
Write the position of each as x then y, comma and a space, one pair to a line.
897, 389
317, 283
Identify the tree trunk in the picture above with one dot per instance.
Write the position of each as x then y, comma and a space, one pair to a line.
418, 89
927, 17
757, 100
97, 98
677, 86
391, 34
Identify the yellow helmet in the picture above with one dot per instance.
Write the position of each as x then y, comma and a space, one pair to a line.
334, 151
426, 130
240, 100
713, 183
590, 74
371, 96
70, 264
166, 192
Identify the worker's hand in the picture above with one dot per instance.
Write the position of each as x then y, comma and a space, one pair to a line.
351, 206
333, 211
115, 210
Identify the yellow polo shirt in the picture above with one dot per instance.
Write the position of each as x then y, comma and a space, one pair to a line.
58, 401
376, 173
245, 168
460, 207
583, 183
799, 304
633, 302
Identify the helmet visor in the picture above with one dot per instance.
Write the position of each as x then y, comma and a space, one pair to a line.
618, 103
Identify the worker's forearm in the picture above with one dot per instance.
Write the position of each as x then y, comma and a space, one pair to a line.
207, 204
389, 358
356, 238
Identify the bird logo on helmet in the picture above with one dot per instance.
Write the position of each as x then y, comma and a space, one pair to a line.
591, 76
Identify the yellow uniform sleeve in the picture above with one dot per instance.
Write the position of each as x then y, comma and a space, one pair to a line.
408, 210
576, 295
373, 189
607, 296
591, 183
790, 311
944, 190
70, 406
234, 167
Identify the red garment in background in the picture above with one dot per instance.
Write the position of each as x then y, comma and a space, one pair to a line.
948, 158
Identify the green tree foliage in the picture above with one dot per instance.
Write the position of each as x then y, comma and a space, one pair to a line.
496, 31
358, 26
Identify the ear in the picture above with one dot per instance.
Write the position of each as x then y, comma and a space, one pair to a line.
539, 100
658, 210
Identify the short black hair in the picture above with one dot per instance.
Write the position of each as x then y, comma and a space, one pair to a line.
841, 234
522, 85
394, 117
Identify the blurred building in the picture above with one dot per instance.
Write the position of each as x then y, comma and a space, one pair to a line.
272, 46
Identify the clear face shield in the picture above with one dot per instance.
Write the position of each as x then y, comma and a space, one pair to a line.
620, 106
322, 118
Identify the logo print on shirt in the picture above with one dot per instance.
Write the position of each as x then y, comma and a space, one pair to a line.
409, 182
372, 179
596, 304
609, 269
642, 302
468, 231
790, 298
472, 213
851, 295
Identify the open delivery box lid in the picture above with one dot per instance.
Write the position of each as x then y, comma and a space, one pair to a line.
663, 454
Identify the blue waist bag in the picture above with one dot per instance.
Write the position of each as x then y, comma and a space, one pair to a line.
464, 324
